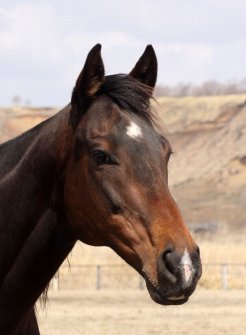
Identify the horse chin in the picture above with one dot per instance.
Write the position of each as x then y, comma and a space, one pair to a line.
161, 299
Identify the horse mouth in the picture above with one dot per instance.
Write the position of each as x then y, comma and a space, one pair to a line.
166, 300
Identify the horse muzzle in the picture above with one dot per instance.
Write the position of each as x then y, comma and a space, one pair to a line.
177, 275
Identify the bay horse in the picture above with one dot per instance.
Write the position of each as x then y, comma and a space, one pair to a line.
94, 172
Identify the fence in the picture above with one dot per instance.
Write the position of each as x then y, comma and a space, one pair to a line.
121, 276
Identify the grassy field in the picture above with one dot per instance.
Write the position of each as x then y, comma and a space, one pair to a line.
126, 310
228, 250
133, 312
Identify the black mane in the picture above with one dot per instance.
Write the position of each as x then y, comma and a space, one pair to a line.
130, 95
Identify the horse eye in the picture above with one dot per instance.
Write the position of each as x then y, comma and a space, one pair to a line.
101, 157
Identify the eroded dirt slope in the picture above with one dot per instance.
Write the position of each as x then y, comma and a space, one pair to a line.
208, 168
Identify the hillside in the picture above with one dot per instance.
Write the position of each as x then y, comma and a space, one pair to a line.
208, 168
207, 172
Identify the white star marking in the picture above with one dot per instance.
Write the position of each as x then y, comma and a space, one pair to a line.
134, 131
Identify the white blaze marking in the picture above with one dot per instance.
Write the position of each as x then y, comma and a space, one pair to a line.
133, 130
187, 267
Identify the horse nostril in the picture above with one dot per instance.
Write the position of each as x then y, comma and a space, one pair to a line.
166, 256
198, 250
116, 210
166, 264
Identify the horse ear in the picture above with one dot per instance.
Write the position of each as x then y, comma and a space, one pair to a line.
90, 79
146, 68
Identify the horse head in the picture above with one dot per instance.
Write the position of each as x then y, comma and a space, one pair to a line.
116, 179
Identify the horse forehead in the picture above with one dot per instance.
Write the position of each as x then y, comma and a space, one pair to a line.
122, 128
140, 144
102, 118
142, 147
140, 133
107, 119
136, 134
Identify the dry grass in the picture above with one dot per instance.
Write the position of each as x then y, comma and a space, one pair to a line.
223, 251
132, 312
200, 109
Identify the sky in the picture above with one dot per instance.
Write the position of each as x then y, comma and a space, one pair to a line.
43, 44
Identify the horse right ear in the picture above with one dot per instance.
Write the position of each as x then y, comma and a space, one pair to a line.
89, 80
145, 70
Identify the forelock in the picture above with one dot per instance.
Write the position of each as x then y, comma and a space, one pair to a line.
130, 95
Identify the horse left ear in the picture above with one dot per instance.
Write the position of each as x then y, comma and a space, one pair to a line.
146, 68
90, 78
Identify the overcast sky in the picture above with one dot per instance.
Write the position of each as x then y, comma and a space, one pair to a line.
43, 44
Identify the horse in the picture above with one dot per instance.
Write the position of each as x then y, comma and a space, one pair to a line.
95, 172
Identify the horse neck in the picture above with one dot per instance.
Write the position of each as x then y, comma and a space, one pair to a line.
37, 238
31, 181
39, 259
42, 141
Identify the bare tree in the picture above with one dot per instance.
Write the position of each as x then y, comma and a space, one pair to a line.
210, 87
16, 100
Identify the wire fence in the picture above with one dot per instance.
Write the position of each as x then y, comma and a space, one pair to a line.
120, 276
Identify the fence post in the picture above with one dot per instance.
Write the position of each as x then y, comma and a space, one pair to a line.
224, 276
98, 277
